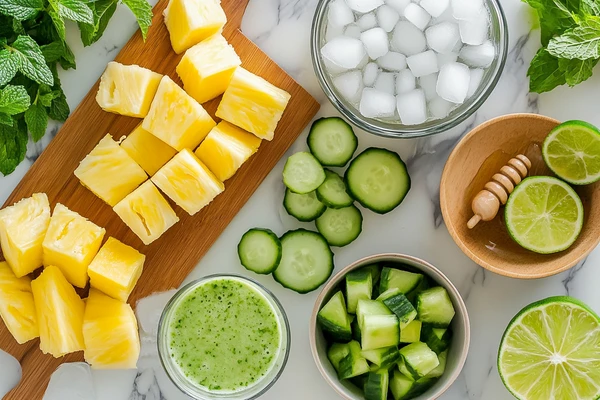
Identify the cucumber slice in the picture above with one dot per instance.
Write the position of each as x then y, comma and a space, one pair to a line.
384, 357
400, 279
354, 363
411, 333
435, 307
306, 261
419, 359
359, 286
388, 293
334, 319
302, 173
403, 309
379, 331
378, 179
355, 329
335, 354
304, 207
377, 385
438, 339
400, 385
332, 191
332, 141
370, 307
441, 368
340, 226
259, 251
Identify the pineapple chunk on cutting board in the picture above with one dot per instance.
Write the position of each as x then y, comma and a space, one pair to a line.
206, 68
176, 118
109, 172
22, 230
253, 104
147, 150
59, 311
17, 308
146, 212
226, 148
116, 269
110, 333
191, 21
188, 182
127, 89
71, 244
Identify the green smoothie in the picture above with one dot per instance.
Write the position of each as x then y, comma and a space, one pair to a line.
224, 335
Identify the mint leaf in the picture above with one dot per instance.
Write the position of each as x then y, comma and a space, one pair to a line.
9, 65
555, 16
591, 7
142, 11
6, 119
75, 10
582, 42
576, 71
58, 21
59, 109
544, 73
32, 62
14, 100
36, 119
103, 10
21, 9
53, 51
13, 146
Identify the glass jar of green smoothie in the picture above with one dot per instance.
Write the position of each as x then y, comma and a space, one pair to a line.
224, 337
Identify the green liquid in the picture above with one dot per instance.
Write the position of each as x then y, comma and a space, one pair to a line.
224, 335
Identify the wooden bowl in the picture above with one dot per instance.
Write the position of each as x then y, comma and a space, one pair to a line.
480, 154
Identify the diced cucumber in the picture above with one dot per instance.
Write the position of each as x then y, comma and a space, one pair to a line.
354, 363
340, 226
370, 307
400, 385
332, 191
403, 369
419, 359
410, 333
304, 207
388, 293
379, 331
384, 357
423, 285
397, 278
306, 261
334, 319
332, 141
360, 381
378, 179
441, 368
403, 309
259, 251
438, 339
434, 307
355, 329
303, 173
359, 286
421, 386
375, 270
377, 385
336, 352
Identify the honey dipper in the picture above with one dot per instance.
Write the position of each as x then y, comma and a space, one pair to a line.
486, 204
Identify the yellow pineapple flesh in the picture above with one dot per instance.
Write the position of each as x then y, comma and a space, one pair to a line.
188, 182
206, 68
59, 311
226, 148
71, 244
253, 104
146, 212
147, 150
116, 269
110, 333
176, 118
22, 230
127, 89
17, 308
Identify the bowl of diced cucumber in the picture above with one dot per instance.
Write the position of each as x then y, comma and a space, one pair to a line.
390, 326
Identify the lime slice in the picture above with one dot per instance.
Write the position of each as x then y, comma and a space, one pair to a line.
572, 152
551, 350
544, 214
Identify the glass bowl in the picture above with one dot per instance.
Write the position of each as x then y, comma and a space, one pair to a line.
499, 37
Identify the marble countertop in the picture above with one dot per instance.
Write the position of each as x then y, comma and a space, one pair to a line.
282, 29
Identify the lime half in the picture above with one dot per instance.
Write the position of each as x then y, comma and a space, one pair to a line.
551, 350
544, 214
572, 152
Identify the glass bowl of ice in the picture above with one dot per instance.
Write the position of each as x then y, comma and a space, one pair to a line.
403, 68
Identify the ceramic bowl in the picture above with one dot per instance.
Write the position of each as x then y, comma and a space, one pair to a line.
460, 328
479, 155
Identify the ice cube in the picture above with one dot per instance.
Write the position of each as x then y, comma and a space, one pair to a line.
439, 108
442, 37
445, 17
344, 52
385, 82
333, 31
11, 372
423, 63
392, 61
467, 9
352, 31
478, 56
376, 42
349, 85
428, 83
367, 22
435, 8
387, 17
475, 81
377, 104
453, 82
446, 58
417, 15
398, 5
339, 13
71, 381
412, 107
474, 31
370, 74
408, 39
364, 6
405, 81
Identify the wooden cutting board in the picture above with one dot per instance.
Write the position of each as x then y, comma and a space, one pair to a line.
171, 258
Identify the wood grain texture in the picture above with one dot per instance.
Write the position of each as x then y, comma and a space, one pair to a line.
171, 258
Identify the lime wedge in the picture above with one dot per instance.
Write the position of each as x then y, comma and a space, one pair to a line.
572, 152
544, 214
551, 350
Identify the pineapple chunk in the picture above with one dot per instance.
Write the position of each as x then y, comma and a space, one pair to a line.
59, 311
22, 229
17, 308
253, 104
109, 172
176, 118
146, 213
226, 148
127, 89
71, 244
110, 333
188, 182
191, 21
147, 150
206, 69
116, 269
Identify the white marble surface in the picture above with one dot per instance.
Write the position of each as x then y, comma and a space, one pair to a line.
282, 28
